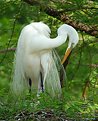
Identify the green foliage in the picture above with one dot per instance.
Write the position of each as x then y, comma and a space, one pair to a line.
72, 108
83, 63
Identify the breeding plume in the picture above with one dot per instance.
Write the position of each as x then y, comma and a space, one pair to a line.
35, 68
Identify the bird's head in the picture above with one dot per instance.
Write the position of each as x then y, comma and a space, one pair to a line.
73, 39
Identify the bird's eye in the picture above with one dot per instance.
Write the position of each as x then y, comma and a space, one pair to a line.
72, 45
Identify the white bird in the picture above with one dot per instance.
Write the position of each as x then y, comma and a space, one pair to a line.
34, 63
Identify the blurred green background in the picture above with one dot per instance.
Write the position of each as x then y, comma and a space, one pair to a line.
80, 95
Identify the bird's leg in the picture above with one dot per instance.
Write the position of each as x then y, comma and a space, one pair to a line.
30, 84
40, 85
41, 79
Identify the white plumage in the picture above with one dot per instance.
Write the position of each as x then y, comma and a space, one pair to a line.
34, 57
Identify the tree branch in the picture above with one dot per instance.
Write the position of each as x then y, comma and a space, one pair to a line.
7, 50
91, 30
86, 86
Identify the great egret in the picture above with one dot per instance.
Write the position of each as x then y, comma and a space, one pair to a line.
34, 64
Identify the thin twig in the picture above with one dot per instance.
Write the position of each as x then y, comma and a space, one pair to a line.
13, 28
9, 41
7, 50
90, 65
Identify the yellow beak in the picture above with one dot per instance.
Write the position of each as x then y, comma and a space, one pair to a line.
66, 55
